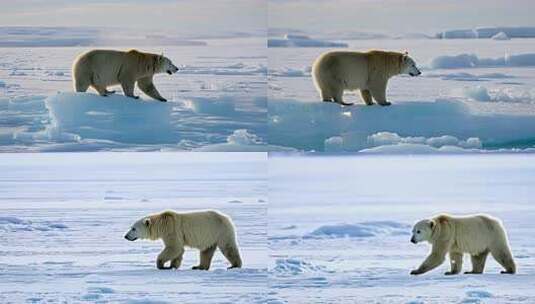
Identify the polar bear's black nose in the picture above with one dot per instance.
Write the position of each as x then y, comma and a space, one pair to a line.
130, 239
413, 240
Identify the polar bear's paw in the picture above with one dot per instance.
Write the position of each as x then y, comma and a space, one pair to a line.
450, 273
199, 267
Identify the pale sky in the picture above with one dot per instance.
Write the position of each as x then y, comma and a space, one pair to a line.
206, 17
399, 16
191, 16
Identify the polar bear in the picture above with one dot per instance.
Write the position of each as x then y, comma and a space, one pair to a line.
102, 68
477, 235
336, 71
204, 230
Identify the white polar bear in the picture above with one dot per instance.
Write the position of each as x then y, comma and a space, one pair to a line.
337, 71
477, 235
204, 230
102, 68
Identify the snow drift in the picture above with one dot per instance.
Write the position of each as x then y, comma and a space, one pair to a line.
243, 141
473, 61
481, 93
88, 122
293, 266
330, 127
115, 117
360, 230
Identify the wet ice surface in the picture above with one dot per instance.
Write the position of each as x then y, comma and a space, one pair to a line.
339, 227
483, 79
220, 89
63, 218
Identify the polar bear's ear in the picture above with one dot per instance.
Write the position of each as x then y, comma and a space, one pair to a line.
431, 224
404, 56
146, 221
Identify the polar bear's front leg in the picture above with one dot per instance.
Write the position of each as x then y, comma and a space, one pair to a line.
100, 89
168, 254
175, 263
339, 98
128, 88
146, 85
456, 262
366, 97
378, 91
437, 257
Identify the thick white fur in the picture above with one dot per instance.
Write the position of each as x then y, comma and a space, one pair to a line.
203, 230
338, 71
477, 235
102, 68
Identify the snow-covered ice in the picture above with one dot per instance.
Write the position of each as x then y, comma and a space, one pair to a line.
35, 36
63, 217
339, 227
470, 88
220, 88
489, 32
293, 40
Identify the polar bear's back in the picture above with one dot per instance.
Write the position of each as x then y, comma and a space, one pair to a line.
349, 69
479, 232
203, 229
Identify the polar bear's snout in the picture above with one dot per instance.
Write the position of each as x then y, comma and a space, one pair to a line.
172, 70
416, 73
169, 67
131, 235
413, 240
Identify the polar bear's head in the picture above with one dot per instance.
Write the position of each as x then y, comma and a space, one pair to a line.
422, 231
408, 66
140, 230
165, 65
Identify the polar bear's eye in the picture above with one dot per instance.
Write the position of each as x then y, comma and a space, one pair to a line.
418, 231
133, 229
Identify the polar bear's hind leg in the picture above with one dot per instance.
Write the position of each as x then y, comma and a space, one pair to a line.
206, 258
505, 258
478, 262
232, 254
81, 85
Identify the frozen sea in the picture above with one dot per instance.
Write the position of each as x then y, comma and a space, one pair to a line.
218, 97
63, 217
477, 90
339, 227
